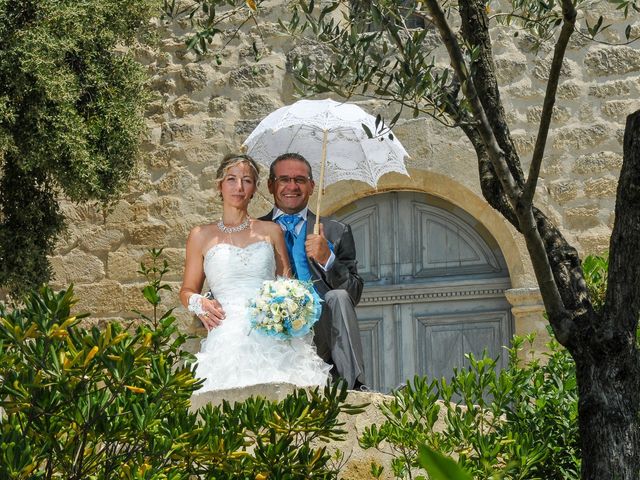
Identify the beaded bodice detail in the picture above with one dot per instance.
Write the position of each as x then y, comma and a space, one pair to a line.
235, 274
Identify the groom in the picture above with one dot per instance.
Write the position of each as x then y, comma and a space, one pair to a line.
327, 259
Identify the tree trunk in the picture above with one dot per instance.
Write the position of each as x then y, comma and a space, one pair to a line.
607, 359
608, 415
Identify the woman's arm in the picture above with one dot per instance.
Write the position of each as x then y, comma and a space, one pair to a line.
211, 312
193, 267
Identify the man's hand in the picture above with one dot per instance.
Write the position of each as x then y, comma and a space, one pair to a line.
213, 313
317, 247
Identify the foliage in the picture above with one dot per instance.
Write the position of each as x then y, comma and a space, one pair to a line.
115, 403
71, 119
215, 19
595, 268
518, 423
389, 50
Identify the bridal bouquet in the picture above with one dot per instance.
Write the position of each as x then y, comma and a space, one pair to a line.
285, 308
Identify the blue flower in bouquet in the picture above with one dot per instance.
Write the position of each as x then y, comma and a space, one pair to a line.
285, 308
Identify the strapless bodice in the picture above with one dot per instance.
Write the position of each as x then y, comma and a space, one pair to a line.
235, 274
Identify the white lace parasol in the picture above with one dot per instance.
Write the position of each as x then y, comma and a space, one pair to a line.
350, 154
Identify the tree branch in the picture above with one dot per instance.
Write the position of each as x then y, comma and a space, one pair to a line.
484, 128
568, 26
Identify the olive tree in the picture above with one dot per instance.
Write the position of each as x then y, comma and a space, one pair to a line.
72, 99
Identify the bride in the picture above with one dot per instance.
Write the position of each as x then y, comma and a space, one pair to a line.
236, 255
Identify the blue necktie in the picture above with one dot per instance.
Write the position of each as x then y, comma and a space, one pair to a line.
289, 222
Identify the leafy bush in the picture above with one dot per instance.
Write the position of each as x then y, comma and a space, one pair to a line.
72, 98
88, 403
518, 423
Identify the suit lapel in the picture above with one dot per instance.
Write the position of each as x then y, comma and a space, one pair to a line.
311, 221
268, 217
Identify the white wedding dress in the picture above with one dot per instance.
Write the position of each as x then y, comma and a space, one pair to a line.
233, 355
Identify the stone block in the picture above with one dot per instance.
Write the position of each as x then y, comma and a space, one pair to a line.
218, 106
184, 106
586, 113
68, 240
531, 43
252, 76
560, 114
215, 127
164, 85
610, 89
167, 207
148, 234
522, 89
174, 131
194, 76
154, 108
257, 105
580, 137
563, 191
509, 67
605, 187
595, 242
552, 166
99, 298
619, 109
568, 70
524, 141
77, 267
123, 265
598, 162
612, 60
101, 239
314, 55
245, 127
570, 89
176, 181
134, 300
582, 218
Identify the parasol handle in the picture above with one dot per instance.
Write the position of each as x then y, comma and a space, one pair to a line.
323, 161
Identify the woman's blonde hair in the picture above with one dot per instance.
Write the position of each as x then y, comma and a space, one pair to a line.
233, 159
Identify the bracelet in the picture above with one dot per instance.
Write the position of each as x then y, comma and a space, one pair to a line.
195, 304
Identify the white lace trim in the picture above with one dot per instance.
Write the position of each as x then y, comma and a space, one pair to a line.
195, 304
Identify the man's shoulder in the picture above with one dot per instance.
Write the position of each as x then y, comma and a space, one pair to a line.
268, 217
332, 222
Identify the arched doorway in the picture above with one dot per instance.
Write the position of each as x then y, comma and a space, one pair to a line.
434, 287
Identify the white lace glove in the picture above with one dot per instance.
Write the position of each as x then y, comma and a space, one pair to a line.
195, 304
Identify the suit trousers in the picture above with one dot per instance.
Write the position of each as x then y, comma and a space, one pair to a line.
337, 337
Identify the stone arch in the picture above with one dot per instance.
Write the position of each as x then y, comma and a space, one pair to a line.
340, 196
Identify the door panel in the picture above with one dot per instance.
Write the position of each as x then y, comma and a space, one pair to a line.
434, 288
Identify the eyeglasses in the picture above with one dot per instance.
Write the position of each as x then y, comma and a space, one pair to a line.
285, 179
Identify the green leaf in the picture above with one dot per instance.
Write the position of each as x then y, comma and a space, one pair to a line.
439, 466
367, 130
151, 295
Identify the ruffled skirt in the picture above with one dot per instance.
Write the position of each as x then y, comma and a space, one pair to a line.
234, 356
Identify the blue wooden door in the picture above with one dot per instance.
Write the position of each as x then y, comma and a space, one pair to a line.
434, 287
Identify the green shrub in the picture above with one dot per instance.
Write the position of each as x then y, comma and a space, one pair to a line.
84, 403
516, 424
595, 269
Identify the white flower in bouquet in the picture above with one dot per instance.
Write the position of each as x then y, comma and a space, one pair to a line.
285, 308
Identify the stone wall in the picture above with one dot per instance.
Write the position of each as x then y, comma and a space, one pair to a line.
203, 110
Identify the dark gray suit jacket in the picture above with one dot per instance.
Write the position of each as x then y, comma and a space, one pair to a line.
343, 274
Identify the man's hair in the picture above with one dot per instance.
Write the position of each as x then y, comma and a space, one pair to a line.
289, 156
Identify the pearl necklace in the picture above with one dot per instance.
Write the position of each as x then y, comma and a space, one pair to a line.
238, 228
